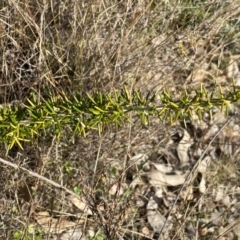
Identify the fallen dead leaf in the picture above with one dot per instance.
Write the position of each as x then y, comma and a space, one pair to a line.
162, 167
220, 79
73, 234
53, 225
158, 179
145, 231
80, 204
232, 69
117, 190
155, 218
203, 165
187, 194
197, 76
202, 185
182, 148
156, 221
43, 218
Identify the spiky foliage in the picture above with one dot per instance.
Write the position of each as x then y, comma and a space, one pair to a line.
80, 113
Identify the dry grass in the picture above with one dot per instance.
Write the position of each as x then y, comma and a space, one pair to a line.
87, 46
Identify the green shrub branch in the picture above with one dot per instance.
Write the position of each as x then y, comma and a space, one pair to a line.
79, 114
